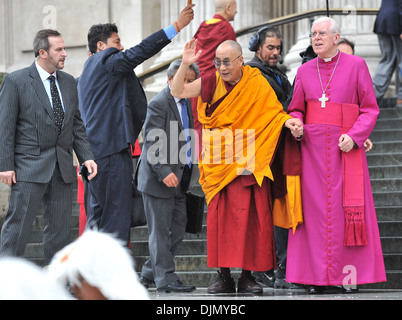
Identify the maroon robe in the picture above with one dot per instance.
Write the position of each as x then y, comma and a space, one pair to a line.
210, 35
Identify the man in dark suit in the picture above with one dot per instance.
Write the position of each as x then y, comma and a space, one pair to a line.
40, 126
163, 178
388, 27
113, 107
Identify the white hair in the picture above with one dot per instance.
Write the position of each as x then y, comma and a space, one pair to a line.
103, 262
334, 28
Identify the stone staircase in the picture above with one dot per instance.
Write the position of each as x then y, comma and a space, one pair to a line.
385, 164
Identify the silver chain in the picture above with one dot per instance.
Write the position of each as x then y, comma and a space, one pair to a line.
319, 74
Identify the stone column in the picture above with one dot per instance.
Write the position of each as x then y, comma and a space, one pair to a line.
358, 29
6, 54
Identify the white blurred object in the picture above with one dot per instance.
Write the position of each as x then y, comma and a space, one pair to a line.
22, 280
103, 262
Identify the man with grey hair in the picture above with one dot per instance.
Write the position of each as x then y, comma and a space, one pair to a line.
163, 178
338, 244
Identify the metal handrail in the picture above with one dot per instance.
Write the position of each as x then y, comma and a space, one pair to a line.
274, 23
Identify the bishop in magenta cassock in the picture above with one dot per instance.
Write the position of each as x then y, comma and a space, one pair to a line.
339, 242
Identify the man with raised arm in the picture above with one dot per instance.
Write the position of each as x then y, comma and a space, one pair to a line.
240, 114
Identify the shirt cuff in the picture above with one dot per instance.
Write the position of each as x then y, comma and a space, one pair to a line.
170, 32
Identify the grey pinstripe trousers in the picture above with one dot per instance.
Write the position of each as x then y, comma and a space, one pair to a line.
25, 201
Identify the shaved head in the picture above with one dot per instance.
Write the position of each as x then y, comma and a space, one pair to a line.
235, 46
220, 5
226, 8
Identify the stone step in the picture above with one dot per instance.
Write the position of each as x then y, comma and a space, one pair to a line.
392, 245
394, 281
194, 263
385, 171
388, 184
188, 247
386, 135
387, 123
393, 261
392, 198
381, 147
388, 159
390, 229
389, 114
389, 213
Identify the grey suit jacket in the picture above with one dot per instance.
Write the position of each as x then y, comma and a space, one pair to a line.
164, 149
29, 142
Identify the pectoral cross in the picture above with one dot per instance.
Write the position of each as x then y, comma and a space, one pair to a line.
323, 99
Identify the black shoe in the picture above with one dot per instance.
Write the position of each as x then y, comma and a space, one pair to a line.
247, 284
224, 284
176, 286
266, 277
314, 289
280, 279
146, 282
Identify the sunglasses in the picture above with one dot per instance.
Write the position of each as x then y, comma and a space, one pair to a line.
225, 62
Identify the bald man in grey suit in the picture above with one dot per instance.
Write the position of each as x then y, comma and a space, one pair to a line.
40, 126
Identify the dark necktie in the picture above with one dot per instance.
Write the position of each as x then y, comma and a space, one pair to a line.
186, 125
57, 106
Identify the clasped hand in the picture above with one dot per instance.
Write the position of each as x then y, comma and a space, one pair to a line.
296, 127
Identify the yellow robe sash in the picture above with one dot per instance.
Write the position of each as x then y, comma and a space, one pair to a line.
242, 134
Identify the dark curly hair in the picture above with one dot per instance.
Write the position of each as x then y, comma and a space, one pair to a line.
100, 32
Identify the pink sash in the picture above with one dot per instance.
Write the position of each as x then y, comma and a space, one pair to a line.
344, 116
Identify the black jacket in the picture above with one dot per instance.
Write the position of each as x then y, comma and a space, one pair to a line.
282, 89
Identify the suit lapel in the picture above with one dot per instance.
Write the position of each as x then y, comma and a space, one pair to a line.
173, 106
39, 88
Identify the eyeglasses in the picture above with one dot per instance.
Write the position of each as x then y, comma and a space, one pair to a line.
322, 34
225, 62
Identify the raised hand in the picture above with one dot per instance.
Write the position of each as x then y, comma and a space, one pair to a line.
186, 16
189, 55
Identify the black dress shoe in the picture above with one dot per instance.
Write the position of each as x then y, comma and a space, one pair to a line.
247, 284
176, 286
224, 284
314, 289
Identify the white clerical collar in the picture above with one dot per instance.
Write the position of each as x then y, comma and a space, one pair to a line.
330, 59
